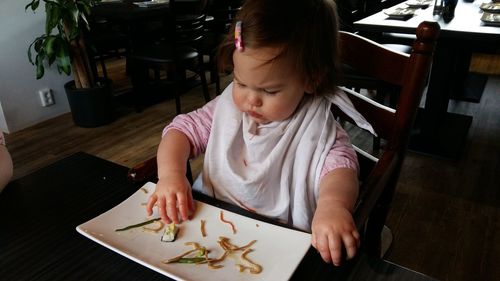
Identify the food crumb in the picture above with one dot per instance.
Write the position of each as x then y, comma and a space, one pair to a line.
257, 225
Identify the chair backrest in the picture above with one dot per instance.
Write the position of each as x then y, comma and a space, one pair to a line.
223, 13
409, 72
187, 22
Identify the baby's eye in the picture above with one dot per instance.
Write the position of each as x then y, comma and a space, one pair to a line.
240, 84
270, 91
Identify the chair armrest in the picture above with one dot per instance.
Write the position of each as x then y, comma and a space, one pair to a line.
372, 189
144, 171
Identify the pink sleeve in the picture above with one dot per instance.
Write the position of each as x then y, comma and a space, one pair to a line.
341, 155
196, 125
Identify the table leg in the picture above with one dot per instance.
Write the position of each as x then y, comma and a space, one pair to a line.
438, 132
469, 86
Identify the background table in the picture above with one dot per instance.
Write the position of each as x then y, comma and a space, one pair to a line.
39, 214
126, 10
439, 132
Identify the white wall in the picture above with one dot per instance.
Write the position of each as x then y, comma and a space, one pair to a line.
19, 99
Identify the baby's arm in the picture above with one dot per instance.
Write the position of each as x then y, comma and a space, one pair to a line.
173, 191
333, 227
5, 166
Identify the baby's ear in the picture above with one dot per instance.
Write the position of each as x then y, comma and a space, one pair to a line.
309, 87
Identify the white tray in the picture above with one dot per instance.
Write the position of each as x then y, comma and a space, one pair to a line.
279, 250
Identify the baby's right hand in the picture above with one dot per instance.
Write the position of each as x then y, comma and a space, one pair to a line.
172, 197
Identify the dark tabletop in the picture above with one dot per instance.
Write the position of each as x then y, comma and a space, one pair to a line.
39, 214
126, 10
466, 24
438, 132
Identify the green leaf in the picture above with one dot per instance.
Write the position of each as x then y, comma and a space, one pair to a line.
84, 18
53, 17
39, 43
52, 59
49, 45
30, 56
39, 67
36, 46
33, 4
63, 59
74, 12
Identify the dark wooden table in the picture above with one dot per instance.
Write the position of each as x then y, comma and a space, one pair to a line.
439, 132
127, 11
39, 214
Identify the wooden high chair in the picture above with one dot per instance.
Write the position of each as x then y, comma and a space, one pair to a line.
378, 175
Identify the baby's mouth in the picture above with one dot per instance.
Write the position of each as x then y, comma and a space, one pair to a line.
254, 114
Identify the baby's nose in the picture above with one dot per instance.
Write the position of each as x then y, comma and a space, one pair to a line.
254, 99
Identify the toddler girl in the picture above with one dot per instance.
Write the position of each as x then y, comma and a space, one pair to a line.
270, 141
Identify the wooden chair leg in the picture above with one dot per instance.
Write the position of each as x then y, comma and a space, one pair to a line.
203, 78
103, 67
376, 222
217, 82
139, 77
177, 100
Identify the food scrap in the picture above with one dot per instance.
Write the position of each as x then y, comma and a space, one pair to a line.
138, 225
221, 216
202, 228
199, 255
159, 226
170, 233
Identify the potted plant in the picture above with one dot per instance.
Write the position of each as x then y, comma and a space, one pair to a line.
90, 99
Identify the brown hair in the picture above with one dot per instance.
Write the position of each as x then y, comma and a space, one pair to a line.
305, 30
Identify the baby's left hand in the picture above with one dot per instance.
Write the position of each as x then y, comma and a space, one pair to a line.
332, 229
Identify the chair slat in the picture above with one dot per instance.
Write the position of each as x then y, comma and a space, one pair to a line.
380, 62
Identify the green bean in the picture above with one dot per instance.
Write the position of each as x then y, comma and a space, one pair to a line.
191, 260
138, 225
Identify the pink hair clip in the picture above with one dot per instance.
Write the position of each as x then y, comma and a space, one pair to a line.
238, 41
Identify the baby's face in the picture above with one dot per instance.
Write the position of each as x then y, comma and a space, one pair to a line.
266, 91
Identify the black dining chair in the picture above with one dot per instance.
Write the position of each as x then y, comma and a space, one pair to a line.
173, 62
105, 40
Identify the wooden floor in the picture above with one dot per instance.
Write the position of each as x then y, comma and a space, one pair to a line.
445, 217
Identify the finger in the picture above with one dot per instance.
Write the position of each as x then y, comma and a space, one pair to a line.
350, 245
162, 210
172, 208
322, 247
151, 202
335, 247
183, 205
190, 204
356, 236
313, 241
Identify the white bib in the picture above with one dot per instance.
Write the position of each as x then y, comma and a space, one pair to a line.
275, 172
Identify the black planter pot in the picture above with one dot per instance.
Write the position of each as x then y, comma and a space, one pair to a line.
91, 107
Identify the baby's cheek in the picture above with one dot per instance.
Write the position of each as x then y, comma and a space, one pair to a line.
238, 101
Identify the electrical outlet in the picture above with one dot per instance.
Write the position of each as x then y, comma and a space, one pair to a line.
46, 97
